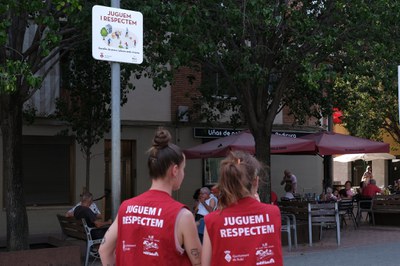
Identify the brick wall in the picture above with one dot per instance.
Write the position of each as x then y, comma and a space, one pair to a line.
183, 90
288, 119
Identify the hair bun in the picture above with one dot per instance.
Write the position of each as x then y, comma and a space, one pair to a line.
162, 138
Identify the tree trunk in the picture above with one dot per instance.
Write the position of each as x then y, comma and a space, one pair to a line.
262, 139
17, 218
88, 169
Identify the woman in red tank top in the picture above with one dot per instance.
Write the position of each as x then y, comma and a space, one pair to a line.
153, 228
243, 231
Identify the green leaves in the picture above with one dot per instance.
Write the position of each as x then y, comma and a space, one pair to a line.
366, 89
12, 72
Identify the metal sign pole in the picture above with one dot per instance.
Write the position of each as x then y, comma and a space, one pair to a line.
115, 132
108, 23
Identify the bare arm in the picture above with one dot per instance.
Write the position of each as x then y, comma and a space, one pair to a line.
207, 249
188, 237
210, 207
107, 247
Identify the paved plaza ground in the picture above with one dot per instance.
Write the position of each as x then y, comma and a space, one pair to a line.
368, 245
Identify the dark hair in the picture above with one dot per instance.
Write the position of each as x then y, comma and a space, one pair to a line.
163, 154
196, 194
343, 193
347, 182
237, 173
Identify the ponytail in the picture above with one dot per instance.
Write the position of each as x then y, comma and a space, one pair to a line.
237, 173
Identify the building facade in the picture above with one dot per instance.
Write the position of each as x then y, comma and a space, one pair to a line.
55, 167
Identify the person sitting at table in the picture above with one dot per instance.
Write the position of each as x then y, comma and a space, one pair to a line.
347, 192
360, 188
396, 188
336, 193
288, 195
83, 211
329, 195
93, 207
371, 189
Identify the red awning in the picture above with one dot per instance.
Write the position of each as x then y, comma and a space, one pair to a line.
329, 143
244, 141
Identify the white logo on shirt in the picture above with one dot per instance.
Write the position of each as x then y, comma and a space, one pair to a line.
228, 256
150, 246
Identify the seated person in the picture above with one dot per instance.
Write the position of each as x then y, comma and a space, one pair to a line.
371, 189
83, 211
93, 207
361, 187
396, 187
347, 192
329, 195
336, 193
342, 194
288, 195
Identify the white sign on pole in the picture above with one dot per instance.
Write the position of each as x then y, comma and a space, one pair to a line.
117, 35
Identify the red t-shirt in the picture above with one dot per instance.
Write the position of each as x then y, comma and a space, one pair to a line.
246, 233
146, 231
370, 190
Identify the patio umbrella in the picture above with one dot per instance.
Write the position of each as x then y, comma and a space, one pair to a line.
363, 156
244, 141
329, 143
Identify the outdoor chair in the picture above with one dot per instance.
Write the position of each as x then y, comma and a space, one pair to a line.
346, 209
364, 205
289, 224
323, 214
91, 244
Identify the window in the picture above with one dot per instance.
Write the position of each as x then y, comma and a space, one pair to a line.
48, 168
211, 170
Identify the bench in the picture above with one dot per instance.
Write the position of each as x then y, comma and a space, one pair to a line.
71, 227
385, 204
79, 229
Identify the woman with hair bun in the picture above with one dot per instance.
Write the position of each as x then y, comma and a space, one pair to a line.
153, 228
243, 230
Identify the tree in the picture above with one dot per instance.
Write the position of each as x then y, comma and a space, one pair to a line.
86, 106
87, 85
20, 63
366, 91
56, 28
268, 54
